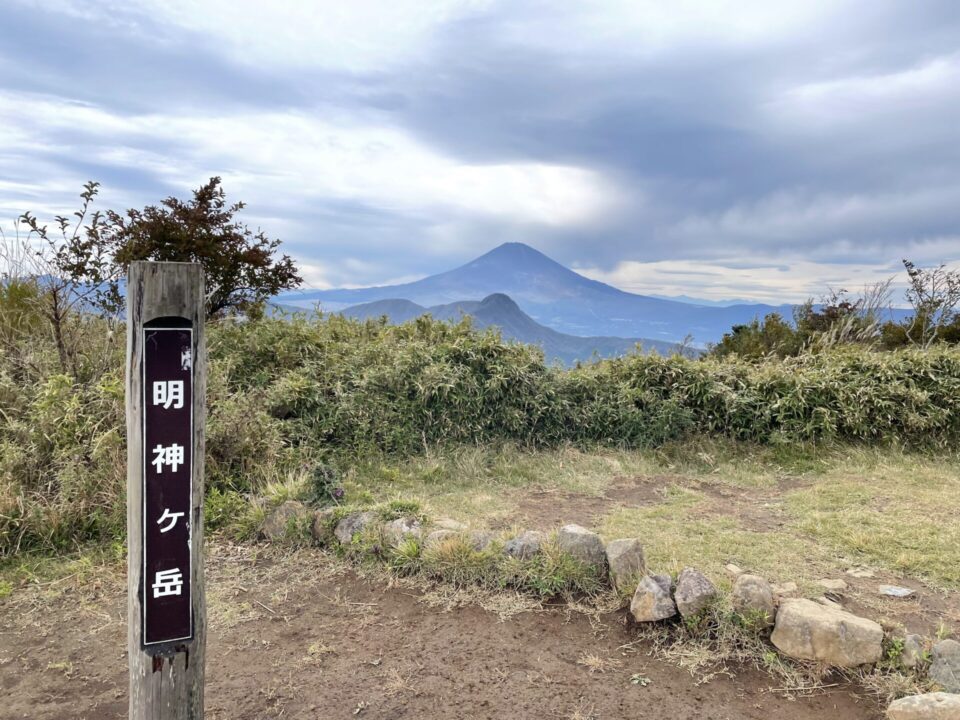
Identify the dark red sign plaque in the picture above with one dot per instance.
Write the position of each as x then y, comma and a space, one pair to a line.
167, 480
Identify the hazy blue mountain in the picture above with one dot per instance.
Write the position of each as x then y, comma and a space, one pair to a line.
500, 311
701, 301
555, 296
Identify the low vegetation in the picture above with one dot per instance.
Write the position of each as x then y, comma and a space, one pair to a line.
842, 318
301, 395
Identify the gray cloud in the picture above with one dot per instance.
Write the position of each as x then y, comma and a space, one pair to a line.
831, 142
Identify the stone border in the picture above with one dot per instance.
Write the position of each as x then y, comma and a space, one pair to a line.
802, 629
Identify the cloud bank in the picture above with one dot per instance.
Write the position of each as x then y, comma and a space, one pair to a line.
750, 149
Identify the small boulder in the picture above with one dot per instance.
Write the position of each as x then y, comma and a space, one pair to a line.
582, 544
437, 537
652, 601
353, 524
278, 522
694, 592
525, 545
398, 531
627, 562
753, 598
929, 706
448, 524
809, 631
322, 526
896, 591
913, 647
945, 665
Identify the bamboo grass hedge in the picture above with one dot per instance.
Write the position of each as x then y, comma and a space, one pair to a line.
290, 394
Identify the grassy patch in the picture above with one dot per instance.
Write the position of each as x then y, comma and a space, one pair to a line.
788, 512
674, 538
900, 513
55, 575
485, 483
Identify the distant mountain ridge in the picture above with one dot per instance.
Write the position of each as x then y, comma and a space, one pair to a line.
554, 296
500, 311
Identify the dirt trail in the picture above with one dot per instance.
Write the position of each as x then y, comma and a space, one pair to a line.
289, 640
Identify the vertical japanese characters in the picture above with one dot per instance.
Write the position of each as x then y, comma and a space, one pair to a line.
167, 473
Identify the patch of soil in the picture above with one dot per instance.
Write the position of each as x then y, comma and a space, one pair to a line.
545, 508
293, 637
548, 508
551, 508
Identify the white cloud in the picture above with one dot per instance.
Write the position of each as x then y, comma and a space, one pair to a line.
290, 158
354, 35
773, 282
643, 28
860, 100
840, 160
367, 35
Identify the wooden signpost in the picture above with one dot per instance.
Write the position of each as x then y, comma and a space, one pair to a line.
166, 387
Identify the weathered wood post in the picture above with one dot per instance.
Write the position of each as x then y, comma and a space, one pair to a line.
166, 389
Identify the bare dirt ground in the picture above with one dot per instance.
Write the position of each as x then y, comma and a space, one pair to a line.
295, 635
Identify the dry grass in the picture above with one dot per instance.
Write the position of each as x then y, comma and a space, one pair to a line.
597, 664
880, 508
396, 683
583, 711
897, 513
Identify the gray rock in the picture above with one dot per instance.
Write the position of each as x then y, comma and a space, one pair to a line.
278, 522
652, 601
439, 536
321, 527
753, 598
733, 570
402, 529
945, 665
929, 706
480, 539
353, 524
895, 591
525, 545
582, 544
627, 562
448, 524
810, 631
694, 592
913, 646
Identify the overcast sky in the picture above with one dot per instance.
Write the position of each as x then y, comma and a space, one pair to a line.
745, 149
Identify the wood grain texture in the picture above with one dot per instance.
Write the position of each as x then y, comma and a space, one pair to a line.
166, 681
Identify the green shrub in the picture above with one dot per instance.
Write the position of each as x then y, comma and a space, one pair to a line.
289, 397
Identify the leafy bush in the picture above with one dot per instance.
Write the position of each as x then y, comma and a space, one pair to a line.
294, 396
